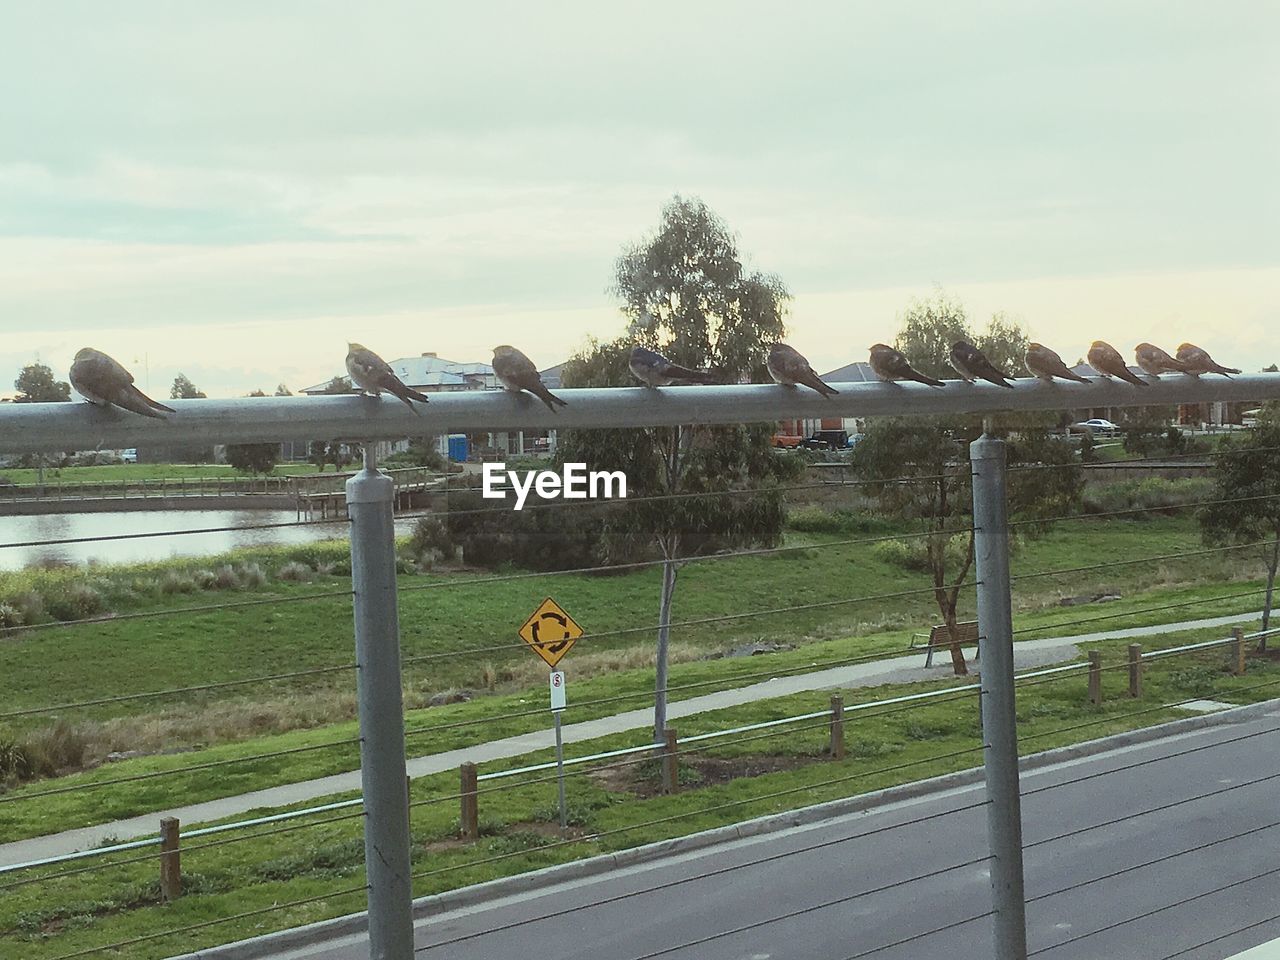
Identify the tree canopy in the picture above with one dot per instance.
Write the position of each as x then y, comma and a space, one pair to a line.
184, 389
36, 384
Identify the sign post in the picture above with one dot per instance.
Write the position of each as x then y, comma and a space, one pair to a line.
550, 633
557, 707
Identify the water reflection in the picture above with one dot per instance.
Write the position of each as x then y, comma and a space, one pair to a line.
235, 530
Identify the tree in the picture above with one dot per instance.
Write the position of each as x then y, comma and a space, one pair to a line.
184, 389
253, 457
282, 391
35, 384
255, 393
685, 293
337, 385
1248, 472
931, 451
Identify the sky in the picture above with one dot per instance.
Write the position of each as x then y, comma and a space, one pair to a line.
235, 190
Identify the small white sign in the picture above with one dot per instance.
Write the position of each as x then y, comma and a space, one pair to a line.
557, 690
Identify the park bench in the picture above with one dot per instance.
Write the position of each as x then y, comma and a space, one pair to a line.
966, 632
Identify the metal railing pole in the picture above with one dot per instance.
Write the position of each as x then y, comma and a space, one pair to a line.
999, 722
382, 758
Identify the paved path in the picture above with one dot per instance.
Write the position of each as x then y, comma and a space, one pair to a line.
1027, 654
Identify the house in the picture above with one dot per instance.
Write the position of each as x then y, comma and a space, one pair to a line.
857, 372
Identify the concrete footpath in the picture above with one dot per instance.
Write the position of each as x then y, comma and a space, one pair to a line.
1027, 654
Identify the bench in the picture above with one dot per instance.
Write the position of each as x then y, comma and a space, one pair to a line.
939, 639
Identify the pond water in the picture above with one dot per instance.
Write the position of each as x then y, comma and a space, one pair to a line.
235, 529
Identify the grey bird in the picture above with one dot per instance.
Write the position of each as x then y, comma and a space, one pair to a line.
372, 374
104, 381
1155, 361
1196, 361
891, 364
971, 363
787, 365
1106, 359
517, 372
654, 370
1046, 364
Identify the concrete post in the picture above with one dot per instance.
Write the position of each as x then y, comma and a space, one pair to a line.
1095, 677
1237, 651
170, 860
382, 763
837, 727
999, 719
1135, 670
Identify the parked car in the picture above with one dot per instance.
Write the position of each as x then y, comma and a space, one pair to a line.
1097, 425
828, 440
130, 455
787, 441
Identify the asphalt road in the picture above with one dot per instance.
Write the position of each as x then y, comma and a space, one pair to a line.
817, 892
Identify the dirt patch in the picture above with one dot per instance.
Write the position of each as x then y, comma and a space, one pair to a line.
645, 779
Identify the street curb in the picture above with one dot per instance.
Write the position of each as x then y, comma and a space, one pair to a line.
356, 923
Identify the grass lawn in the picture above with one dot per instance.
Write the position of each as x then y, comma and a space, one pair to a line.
611, 807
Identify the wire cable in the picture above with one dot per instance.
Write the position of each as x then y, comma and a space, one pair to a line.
1222, 936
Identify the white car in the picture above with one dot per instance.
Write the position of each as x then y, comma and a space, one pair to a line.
1098, 425
130, 455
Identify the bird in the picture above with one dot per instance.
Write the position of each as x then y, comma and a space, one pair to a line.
104, 381
372, 374
517, 372
654, 370
1106, 359
1196, 361
891, 364
1046, 364
787, 365
971, 363
1155, 361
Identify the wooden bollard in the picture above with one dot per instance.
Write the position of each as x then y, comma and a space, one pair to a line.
170, 860
470, 815
1237, 651
670, 762
1095, 677
837, 727
1135, 670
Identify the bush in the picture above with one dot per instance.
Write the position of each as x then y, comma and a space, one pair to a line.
252, 575
175, 582
74, 601
818, 520
1156, 494
293, 570
10, 617
430, 540
1159, 441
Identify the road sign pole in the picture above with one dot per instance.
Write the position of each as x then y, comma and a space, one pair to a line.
999, 720
557, 707
382, 762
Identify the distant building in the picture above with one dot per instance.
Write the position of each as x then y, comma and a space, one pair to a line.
430, 373
857, 372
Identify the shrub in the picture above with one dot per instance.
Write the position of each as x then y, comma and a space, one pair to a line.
205, 579
175, 582
74, 600
10, 617
293, 570
31, 605
430, 540
252, 575
1155, 494
53, 749
819, 520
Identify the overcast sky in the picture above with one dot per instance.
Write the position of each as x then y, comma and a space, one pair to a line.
236, 189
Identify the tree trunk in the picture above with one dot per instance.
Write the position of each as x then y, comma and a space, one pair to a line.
664, 637
1271, 586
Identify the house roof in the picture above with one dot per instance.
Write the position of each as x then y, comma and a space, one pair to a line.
428, 371
858, 371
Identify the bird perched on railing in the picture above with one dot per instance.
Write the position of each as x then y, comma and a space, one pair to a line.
1155, 361
104, 381
891, 364
971, 363
1046, 364
1106, 359
654, 370
517, 372
1196, 361
788, 366
372, 374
